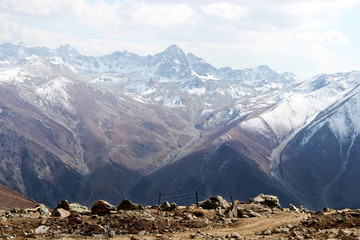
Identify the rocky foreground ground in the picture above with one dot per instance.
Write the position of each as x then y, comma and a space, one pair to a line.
214, 218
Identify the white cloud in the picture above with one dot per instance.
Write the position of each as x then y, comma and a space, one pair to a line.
225, 10
163, 15
11, 31
98, 14
316, 7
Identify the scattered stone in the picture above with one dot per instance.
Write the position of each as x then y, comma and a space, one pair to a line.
102, 207
284, 230
231, 212
42, 209
42, 229
235, 235
35, 215
142, 233
302, 209
14, 210
6, 228
74, 220
128, 205
214, 202
293, 208
267, 232
245, 213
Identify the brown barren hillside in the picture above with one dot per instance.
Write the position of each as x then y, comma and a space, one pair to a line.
10, 198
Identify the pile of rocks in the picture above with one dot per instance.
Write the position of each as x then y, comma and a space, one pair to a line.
104, 220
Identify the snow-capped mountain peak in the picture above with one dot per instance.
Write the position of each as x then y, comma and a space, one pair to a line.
67, 51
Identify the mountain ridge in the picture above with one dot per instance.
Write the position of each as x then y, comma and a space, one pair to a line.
113, 122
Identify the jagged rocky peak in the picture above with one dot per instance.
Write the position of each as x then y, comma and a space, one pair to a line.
67, 50
173, 53
11, 52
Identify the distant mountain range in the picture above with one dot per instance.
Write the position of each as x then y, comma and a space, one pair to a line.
124, 125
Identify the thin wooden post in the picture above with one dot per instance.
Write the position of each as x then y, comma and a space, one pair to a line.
232, 202
197, 199
159, 199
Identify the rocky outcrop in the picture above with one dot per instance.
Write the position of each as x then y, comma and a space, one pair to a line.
166, 206
102, 207
126, 204
214, 202
267, 200
64, 204
78, 209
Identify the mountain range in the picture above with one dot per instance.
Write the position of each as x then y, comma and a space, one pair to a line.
123, 125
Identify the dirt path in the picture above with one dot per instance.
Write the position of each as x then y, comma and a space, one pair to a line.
250, 228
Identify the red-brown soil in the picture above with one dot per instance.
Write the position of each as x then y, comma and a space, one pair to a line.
10, 198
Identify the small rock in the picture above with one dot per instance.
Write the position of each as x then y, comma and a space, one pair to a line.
74, 220
284, 230
6, 228
35, 215
60, 212
235, 235
41, 229
293, 208
111, 234
165, 206
193, 236
244, 213
231, 212
42, 209
267, 232
326, 209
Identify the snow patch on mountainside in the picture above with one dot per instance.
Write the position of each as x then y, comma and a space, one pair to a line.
197, 91
301, 106
173, 102
11, 75
56, 93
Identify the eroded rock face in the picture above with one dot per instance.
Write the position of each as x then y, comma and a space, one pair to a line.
102, 207
77, 208
126, 204
64, 204
267, 200
214, 202
60, 212
166, 206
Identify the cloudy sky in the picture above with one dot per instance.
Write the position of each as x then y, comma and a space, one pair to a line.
305, 37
